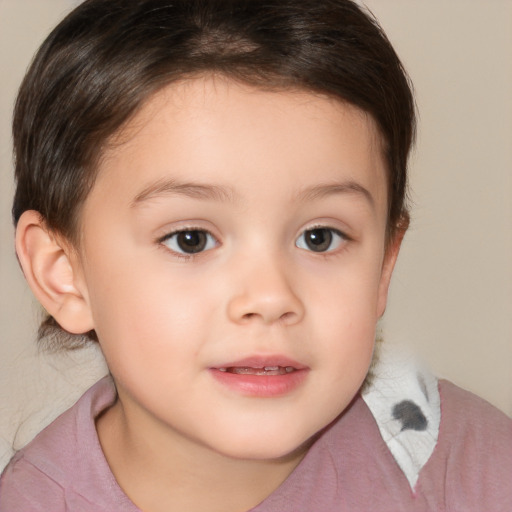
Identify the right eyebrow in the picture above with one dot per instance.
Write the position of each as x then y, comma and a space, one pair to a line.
167, 187
344, 187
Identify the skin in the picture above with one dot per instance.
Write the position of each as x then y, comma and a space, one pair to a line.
271, 165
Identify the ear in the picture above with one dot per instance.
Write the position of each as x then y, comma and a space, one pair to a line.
390, 257
53, 272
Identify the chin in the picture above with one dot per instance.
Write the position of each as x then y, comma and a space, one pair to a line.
268, 447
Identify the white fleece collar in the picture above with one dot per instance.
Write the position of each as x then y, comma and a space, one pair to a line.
404, 399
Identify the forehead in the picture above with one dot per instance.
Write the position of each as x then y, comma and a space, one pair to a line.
215, 128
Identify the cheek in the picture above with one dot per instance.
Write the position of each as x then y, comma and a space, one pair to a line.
351, 339
140, 305
347, 297
346, 316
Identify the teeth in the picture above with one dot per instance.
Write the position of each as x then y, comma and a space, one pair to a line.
266, 370
245, 370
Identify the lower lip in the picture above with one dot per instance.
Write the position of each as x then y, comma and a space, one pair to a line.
261, 385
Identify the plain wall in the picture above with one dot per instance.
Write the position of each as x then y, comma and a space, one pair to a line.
452, 292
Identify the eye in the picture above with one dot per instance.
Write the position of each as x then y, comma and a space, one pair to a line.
189, 241
320, 239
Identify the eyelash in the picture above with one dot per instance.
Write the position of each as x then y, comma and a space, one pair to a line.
183, 255
343, 238
210, 238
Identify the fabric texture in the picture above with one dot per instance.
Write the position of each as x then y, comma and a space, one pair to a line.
403, 397
349, 467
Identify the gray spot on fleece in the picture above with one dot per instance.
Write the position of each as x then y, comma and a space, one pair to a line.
410, 415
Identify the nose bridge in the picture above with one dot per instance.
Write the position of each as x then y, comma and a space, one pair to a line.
264, 291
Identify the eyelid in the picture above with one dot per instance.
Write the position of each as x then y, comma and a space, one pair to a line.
182, 229
320, 225
182, 226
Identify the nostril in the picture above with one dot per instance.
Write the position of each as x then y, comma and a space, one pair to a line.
284, 316
287, 316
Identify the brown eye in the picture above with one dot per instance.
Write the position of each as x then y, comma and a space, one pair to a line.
190, 241
320, 239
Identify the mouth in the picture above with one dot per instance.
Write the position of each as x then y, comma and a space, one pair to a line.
262, 365
261, 376
266, 370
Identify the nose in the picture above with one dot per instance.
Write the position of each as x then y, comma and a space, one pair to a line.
264, 293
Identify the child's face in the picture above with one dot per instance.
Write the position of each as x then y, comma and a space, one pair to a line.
280, 198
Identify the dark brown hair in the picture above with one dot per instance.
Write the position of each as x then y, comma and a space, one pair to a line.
108, 57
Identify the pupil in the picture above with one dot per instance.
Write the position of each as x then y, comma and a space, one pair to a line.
192, 241
318, 240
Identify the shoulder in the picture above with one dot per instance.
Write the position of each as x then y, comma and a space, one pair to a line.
23, 487
474, 427
457, 403
60, 458
472, 463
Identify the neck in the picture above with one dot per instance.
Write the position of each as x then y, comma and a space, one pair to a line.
159, 472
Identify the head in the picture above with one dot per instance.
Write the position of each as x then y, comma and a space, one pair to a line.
117, 74
108, 57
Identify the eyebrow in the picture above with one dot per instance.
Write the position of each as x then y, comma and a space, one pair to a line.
207, 191
329, 189
167, 187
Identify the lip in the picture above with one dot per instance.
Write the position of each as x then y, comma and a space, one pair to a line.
261, 361
261, 385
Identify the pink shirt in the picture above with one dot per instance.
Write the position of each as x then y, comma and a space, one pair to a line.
349, 468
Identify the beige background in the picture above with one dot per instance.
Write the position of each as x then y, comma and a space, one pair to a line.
452, 292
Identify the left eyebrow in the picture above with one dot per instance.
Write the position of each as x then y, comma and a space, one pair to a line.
167, 187
328, 189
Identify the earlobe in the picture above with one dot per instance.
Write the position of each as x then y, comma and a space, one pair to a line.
388, 266
52, 273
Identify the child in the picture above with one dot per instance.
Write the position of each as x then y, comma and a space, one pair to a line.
213, 191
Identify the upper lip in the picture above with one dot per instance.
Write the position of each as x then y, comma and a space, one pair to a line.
263, 361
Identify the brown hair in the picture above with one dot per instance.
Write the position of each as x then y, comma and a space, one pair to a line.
107, 57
